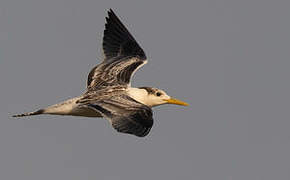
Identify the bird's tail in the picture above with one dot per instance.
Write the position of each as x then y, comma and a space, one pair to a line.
30, 113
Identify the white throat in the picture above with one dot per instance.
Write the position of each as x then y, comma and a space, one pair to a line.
141, 95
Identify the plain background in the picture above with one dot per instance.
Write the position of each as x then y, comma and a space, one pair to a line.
228, 58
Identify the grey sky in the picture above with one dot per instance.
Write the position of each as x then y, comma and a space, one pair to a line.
228, 58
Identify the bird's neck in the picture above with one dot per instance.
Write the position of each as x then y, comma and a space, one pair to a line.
140, 95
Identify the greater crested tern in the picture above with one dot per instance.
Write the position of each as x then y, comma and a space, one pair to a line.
109, 93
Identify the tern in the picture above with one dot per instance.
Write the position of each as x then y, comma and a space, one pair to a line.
109, 93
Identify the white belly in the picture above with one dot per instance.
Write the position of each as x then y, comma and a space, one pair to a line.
69, 107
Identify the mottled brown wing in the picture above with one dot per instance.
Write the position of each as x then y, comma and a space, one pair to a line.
125, 114
110, 74
123, 56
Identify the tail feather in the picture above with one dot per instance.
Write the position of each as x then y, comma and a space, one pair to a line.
29, 113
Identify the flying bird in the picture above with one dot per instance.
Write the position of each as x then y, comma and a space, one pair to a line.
109, 93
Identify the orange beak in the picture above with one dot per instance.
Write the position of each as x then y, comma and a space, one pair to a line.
176, 101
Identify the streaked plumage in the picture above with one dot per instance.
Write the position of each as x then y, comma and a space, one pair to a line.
109, 93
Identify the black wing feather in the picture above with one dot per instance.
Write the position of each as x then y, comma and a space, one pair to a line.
118, 41
123, 56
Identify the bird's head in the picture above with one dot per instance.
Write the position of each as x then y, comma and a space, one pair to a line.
153, 97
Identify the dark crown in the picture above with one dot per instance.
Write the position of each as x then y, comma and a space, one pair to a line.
150, 90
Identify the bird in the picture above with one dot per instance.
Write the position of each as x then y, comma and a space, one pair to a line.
109, 93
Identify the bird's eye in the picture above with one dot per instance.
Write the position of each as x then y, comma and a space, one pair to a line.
158, 94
